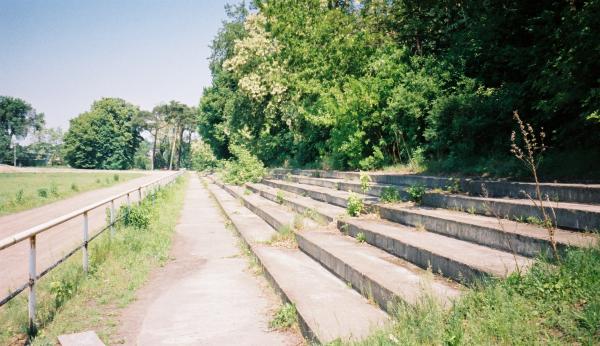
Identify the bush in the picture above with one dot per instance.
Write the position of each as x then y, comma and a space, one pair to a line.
203, 157
285, 317
355, 205
416, 192
42, 192
116, 177
137, 217
244, 168
390, 195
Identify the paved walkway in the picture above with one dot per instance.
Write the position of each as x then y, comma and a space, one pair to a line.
206, 295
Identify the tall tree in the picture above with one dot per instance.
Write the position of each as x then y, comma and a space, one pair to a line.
106, 137
17, 118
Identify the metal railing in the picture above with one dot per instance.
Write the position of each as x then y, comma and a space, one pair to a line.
31, 234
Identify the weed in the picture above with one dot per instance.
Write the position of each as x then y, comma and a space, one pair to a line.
247, 192
416, 193
298, 222
285, 237
98, 181
19, 196
390, 195
530, 154
54, 189
364, 179
285, 317
360, 237
42, 192
279, 197
74, 187
471, 210
137, 217
454, 186
116, 177
355, 205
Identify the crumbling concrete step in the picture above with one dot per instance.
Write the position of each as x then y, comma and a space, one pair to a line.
374, 273
506, 235
460, 260
569, 215
327, 308
343, 185
576, 193
321, 211
323, 194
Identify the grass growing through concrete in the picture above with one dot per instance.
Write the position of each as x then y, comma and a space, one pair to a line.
71, 301
22, 191
548, 305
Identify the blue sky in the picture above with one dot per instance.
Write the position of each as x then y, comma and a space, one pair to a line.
61, 55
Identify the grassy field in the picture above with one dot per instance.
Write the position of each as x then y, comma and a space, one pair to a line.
71, 301
22, 191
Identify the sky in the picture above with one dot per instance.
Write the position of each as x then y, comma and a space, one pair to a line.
61, 55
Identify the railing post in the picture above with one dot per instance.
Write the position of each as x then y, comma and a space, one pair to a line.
32, 279
85, 242
112, 217
140, 195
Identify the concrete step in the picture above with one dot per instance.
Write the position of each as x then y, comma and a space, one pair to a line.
374, 273
520, 238
459, 260
571, 193
584, 217
327, 308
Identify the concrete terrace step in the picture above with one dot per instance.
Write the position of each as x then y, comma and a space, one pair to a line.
577, 216
371, 271
576, 193
327, 308
460, 260
523, 239
569, 215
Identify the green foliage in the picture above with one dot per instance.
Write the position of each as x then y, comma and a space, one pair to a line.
550, 304
106, 137
360, 237
202, 156
244, 168
137, 217
431, 85
390, 195
364, 179
17, 118
279, 197
19, 196
416, 193
42, 192
355, 205
74, 187
285, 317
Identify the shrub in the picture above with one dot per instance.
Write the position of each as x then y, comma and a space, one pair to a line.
42, 192
416, 192
203, 157
365, 179
355, 205
244, 168
137, 217
74, 187
390, 195
116, 177
279, 196
361, 237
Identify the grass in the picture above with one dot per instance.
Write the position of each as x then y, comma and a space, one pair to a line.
550, 305
22, 191
71, 301
285, 317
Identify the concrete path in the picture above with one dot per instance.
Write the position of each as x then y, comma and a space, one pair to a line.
206, 295
53, 244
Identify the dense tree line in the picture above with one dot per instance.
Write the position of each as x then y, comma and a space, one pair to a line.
364, 85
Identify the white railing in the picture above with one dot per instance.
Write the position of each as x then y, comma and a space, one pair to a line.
31, 234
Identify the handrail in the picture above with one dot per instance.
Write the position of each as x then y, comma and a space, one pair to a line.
31, 235
35, 230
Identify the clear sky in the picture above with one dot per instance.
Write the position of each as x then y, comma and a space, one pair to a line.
61, 55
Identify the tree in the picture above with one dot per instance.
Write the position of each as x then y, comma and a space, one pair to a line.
17, 118
106, 137
154, 121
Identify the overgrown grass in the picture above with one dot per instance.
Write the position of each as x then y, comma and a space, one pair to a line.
548, 305
71, 301
22, 191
